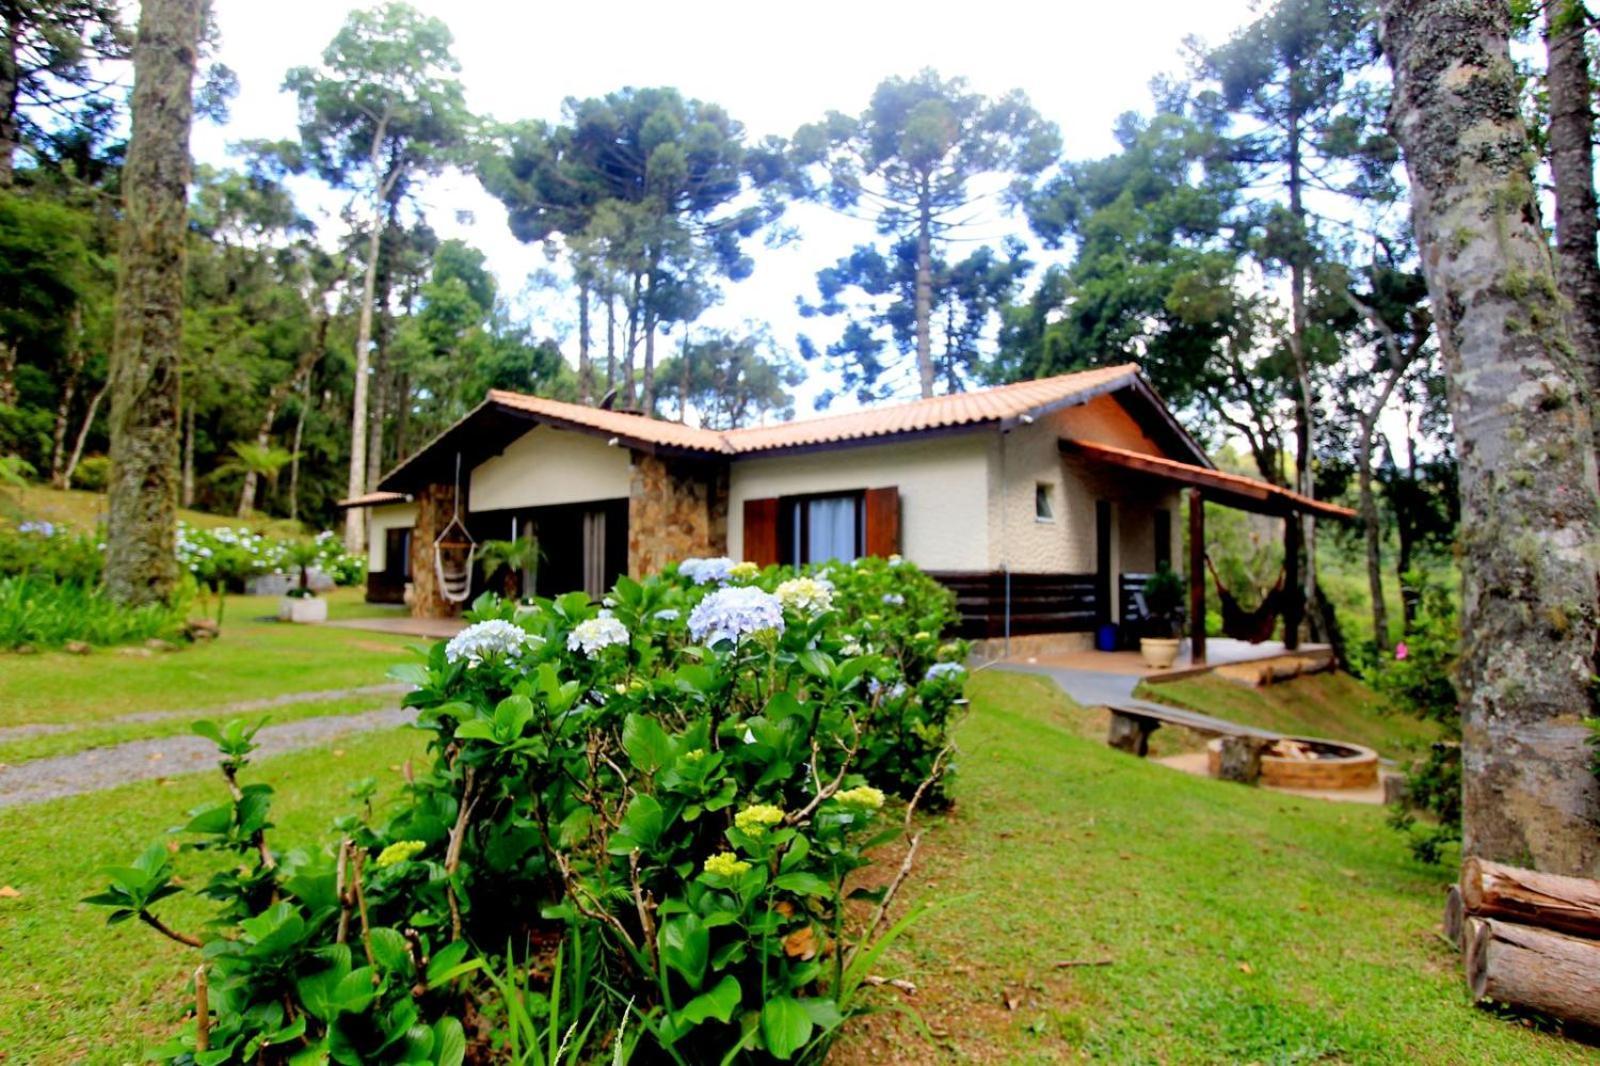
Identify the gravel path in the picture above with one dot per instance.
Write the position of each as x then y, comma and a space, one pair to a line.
35, 729
142, 760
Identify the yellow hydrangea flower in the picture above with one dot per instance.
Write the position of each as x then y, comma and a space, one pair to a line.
744, 571
758, 817
866, 797
726, 864
400, 851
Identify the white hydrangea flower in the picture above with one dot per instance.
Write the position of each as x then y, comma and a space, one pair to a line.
731, 613
667, 614
806, 595
894, 599
477, 642
707, 571
596, 634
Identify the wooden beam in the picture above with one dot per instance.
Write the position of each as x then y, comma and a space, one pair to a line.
1197, 578
1294, 603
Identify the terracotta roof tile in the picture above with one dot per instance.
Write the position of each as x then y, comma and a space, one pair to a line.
372, 499
941, 412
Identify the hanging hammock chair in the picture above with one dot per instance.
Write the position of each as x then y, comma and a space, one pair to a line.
453, 550
1253, 626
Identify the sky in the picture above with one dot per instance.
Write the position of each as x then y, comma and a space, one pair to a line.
772, 67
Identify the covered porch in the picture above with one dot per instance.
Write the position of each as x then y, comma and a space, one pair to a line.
1200, 484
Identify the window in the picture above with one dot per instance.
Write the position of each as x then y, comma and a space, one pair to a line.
818, 529
1044, 504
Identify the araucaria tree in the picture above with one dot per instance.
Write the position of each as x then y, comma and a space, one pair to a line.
918, 160
1529, 509
383, 109
146, 352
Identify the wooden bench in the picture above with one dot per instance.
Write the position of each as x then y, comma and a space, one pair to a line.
1242, 745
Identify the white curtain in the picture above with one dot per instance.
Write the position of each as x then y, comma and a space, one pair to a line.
832, 523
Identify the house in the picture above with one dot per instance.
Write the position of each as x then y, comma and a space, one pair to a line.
1044, 504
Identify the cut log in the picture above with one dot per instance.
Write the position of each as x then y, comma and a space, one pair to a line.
1240, 758
1455, 916
1550, 901
1534, 969
1131, 732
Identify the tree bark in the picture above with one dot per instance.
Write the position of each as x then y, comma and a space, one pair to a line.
10, 84
1566, 904
147, 348
1455, 915
1572, 131
1524, 439
924, 295
69, 392
585, 363
186, 491
280, 392
1534, 969
294, 451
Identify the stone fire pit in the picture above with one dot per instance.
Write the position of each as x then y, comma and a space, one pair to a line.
1304, 762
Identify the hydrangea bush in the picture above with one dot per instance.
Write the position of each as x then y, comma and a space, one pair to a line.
637, 837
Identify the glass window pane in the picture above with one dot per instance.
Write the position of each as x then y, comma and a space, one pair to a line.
832, 526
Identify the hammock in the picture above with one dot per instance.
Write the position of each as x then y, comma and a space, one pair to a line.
455, 578
1253, 626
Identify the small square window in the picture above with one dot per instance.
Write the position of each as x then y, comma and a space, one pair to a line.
1044, 504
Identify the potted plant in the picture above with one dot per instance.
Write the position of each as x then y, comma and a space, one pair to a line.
300, 604
516, 560
1163, 628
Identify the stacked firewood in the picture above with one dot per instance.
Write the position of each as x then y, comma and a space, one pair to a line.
1531, 940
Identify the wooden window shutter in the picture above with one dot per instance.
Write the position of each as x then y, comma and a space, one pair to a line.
761, 531
883, 521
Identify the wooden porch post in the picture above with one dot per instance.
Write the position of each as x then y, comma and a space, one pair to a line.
1197, 580
1293, 602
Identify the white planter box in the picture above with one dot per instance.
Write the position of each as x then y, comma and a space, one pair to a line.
304, 610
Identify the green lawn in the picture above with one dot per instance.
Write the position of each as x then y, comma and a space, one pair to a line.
257, 657
1240, 925
85, 510
1331, 705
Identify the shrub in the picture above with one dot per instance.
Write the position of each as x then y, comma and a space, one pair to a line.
662, 799
41, 612
1418, 679
42, 549
92, 473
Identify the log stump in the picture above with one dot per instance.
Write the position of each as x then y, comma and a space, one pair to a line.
1455, 916
1550, 901
1534, 969
1240, 758
1131, 732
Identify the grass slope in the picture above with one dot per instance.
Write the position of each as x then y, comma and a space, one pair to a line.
1242, 926
84, 511
1331, 705
256, 657
78, 991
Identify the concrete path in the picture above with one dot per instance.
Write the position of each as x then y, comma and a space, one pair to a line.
38, 780
1094, 688
404, 625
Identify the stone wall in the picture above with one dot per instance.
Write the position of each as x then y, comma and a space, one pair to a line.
433, 505
676, 508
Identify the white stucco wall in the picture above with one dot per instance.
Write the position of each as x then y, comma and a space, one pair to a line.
942, 483
549, 466
379, 521
1067, 544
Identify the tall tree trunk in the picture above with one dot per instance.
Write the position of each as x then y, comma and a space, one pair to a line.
1527, 468
10, 84
186, 490
355, 527
648, 398
683, 378
1572, 167
400, 400
1304, 429
294, 453
585, 363
924, 295
83, 435
148, 345
8, 373
611, 340
628, 397
69, 392
275, 399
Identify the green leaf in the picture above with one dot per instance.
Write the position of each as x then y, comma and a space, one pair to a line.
512, 716
824, 1012
641, 824
803, 884
389, 948
214, 819
785, 1026
477, 729
647, 744
719, 1003
449, 1042
685, 946
356, 991
817, 664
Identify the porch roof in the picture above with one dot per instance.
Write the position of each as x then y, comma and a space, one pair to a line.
371, 499
1235, 490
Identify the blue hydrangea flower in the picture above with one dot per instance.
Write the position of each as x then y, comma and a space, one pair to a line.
707, 571
731, 613
477, 642
938, 670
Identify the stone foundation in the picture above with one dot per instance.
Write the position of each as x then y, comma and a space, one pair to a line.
676, 508
1034, 645
433, 514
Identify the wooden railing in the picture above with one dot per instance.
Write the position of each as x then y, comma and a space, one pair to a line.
1040, 603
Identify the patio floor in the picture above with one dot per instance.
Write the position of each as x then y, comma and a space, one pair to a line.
1220, 651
